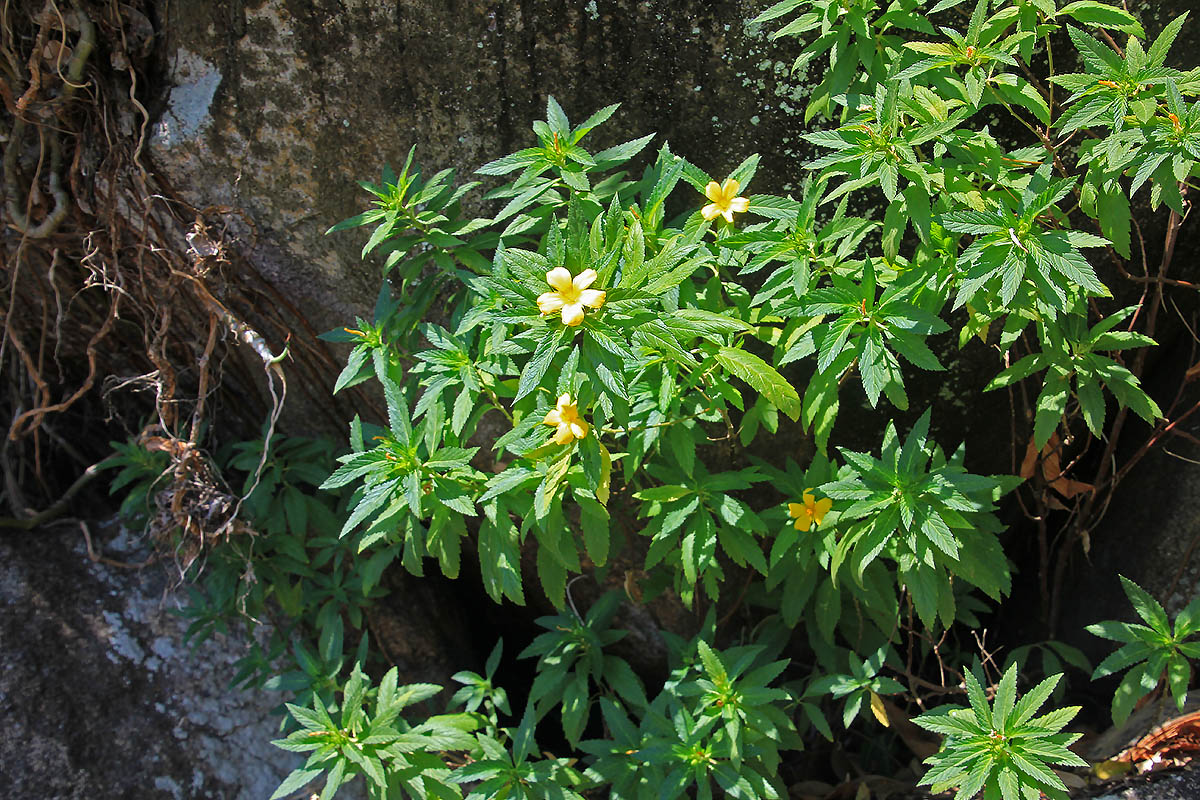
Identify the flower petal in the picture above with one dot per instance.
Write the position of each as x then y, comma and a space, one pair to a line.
710, 212
559, 278
739, 204
564, 401
713, 192
592, 298
553, 417
572, 314
563, 434
804, 521
730, 188
584, 279
579, 429
728, 215
549, 302
795, 510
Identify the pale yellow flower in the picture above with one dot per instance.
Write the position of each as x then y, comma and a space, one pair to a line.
570, 295
809, 510
565, 416
725, 202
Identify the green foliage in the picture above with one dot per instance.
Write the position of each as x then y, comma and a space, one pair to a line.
370, 738
926, 513
1152, 653
140, 471
509, 771
571, 658
1002, 748
717, 720
862, 685
583, 382
481, 690
869, 331
1069, 354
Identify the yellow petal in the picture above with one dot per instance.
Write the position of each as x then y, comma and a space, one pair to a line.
728, 215
730, 188
795, 510
579, 429
592, 298
584, 279
553, 417
572, 314
739, 204
564, 400
710, 212
549, 302
808, 499
559, 278
713, 192
821, 508
563, 434
804, 521
878, 710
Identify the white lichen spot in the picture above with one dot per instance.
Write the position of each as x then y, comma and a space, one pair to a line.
187, 114
123, 644
592, 11
166, 784
755, 120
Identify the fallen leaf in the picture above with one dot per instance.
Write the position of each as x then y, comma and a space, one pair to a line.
1052, 471
1107, 770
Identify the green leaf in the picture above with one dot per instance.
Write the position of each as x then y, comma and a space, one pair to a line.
1006, 696
1102, 15
297, 780
1187, 621
553, 577
539, 363
1158, 51
712, 663
1051, 404
596, 537
763, 378
1146, 606
1115, 219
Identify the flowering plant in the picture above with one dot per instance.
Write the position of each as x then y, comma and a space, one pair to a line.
665, 387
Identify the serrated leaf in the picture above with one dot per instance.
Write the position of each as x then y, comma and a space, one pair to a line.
763, 378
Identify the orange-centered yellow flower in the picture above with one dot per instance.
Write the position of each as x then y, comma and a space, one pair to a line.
570, 295
566, 417
725, 202
809, 510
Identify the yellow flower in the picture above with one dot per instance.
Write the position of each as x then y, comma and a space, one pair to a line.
809, 510
566, 417
570, 295
725, 202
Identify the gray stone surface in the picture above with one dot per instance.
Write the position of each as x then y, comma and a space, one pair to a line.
278, 107
99, 697
1183, 784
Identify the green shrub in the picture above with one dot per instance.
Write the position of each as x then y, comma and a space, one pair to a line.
640, 336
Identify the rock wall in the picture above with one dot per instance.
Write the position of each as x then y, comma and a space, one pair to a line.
99, 695
278, 107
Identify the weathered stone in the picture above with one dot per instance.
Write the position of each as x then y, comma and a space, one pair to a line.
277, 108
101, 698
